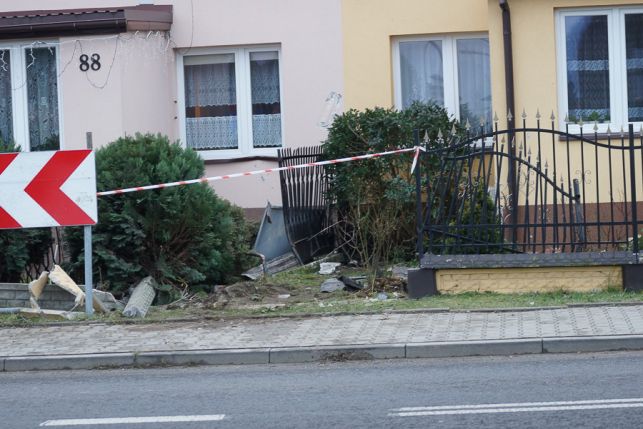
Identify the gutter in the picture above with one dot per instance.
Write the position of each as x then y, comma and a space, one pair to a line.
511, 114
509, 62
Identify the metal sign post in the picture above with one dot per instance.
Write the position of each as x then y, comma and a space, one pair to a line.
89, 281
87, 233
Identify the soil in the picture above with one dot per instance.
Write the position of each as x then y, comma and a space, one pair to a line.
265, 294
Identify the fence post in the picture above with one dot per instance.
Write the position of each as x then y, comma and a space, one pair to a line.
419, 222
635, 226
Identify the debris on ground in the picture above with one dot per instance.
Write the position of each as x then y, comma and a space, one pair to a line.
400, 272
35, 289
352, 283
273, 266
61, 279
107, 299
382, 296
283, 296
331, 285
50, 314
141, 299
327, 268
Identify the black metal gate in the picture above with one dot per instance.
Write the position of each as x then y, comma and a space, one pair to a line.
530, 190
305, 203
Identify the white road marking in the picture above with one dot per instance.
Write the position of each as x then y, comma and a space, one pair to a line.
517, 407
134, 420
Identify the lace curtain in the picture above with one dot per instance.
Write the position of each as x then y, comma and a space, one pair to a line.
474, 80
211, 100
421, 72
588, 94
6, 111
42, 98
266, 106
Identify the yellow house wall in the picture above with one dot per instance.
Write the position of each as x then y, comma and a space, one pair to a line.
536, 81
370, 25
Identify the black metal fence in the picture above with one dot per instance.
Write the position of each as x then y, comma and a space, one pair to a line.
305, 203
531, 190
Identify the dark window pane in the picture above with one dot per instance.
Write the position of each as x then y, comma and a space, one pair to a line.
42, 98
634, 56
587, 68
6, 109
266, 99
211, 102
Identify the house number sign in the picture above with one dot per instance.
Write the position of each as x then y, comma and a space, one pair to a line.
89, 62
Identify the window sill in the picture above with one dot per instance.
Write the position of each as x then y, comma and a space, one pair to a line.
240, 159
223, 156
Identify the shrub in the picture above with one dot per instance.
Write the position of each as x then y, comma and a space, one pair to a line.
183, 236
21, 248
376, 198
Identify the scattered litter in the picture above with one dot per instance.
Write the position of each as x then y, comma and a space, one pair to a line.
327, 268
60, 278
382, 296
331, 285
351, 282
284, 296
141, 299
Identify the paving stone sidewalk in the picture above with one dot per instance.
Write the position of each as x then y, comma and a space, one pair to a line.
387, 328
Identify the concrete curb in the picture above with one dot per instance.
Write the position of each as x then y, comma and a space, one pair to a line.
592, 344
277, 355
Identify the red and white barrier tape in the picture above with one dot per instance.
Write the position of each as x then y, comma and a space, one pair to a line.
415, 149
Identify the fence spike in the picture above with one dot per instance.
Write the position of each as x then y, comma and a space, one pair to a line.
580, 120
509, 116
622, 131
524, 114
553, 116
538, 114
454, 131
426, 137
595, 126
495, 117
566, 118
482, 122
609, 130
467, 125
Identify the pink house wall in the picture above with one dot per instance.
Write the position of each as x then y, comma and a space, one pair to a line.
138, 92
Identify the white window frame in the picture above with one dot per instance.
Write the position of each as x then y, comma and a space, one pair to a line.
449, 68
617, 67
244, 101
19, 98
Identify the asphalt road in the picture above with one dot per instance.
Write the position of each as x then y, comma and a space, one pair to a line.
585, 391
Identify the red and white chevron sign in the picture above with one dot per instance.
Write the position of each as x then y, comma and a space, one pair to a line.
44, 189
